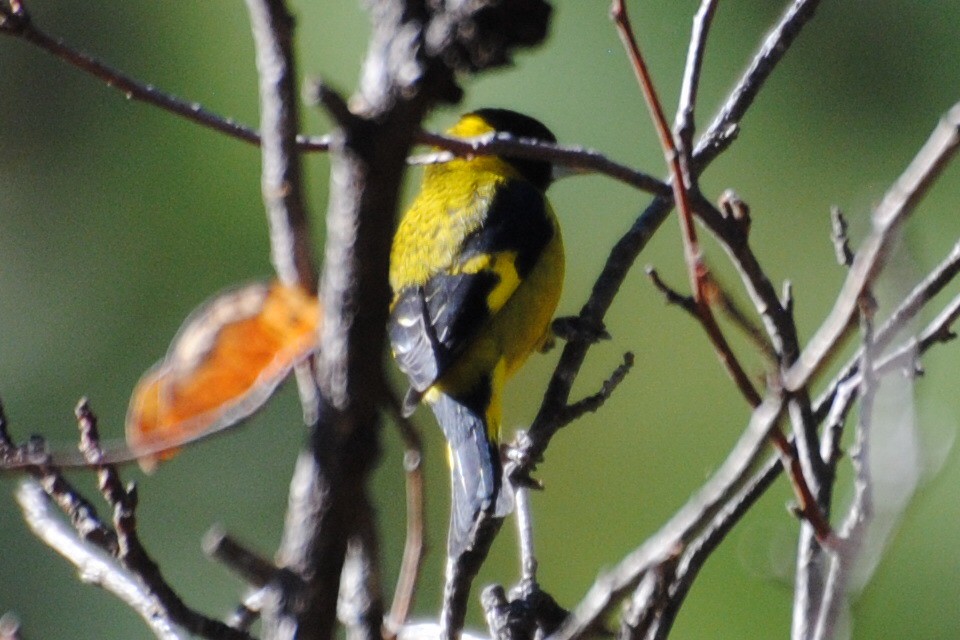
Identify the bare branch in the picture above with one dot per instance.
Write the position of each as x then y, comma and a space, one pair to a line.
415, 544
726, 125
281, 182
624, 253
592, 403
715, 532
252, 567
888, 217
524, 516
131, 552
91, 546
907, 310
672, 539
857, 522
19, 24
414, 547
93, 564
671, 295
578, 159
684, 124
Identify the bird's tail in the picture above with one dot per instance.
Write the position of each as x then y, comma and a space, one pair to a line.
475, 467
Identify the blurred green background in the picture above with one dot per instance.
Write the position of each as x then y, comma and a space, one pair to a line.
117, 219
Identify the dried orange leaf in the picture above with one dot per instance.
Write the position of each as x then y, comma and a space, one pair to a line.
225, 362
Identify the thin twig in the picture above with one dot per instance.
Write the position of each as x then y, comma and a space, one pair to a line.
94, 565
721, 298
671, 295
415, 543
888, 217
682, 528
503, 144
131, 552
36, 462
907, 310
682, 182
577, 158
92, 546
592, 403
20, 24
255, 570
621, 19
414, 546
726, 125
860, 514
528, 555
684, 125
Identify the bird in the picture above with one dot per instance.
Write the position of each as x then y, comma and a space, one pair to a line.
476, 270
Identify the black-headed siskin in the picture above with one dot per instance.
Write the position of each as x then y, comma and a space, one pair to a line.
476, 270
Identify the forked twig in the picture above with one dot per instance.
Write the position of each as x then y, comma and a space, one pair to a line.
896, 206
678, 160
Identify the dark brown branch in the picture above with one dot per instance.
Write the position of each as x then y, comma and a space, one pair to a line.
405, 74
502, 144
19, 24
255, 570
671, 295
592, 403
36, 462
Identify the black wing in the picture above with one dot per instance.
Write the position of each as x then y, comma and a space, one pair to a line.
432, 324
